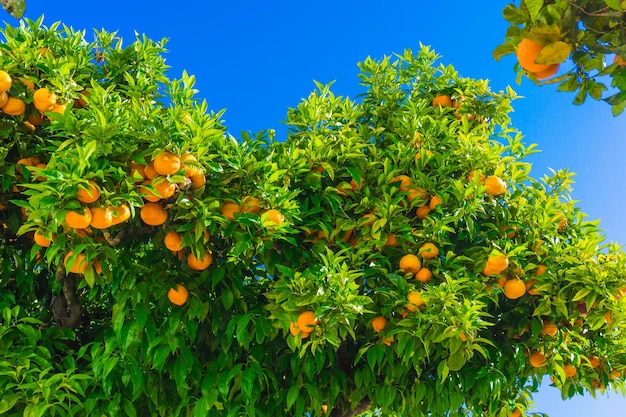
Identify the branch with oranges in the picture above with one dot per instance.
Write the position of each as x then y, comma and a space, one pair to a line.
577, 45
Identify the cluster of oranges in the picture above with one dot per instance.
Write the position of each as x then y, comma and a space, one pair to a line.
304, 325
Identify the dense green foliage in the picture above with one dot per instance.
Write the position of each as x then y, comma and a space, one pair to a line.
107, 341
592, 33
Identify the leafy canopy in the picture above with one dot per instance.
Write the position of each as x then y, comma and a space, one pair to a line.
298, 245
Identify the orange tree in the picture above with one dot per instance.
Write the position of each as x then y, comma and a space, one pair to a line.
592, 33
389, 254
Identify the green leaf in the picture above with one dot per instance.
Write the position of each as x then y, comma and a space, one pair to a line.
534, 7
227, 298
456, 361
292, 395
514, 15
554, 53
7, 402
614, 4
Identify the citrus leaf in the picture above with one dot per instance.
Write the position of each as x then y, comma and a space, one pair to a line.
554, 53
534, 6
514, 15
614, 4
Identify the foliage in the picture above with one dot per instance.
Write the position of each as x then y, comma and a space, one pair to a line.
108, 341
592, 33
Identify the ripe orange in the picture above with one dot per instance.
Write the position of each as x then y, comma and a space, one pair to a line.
14, 106
88, 194
514, 288
530, 289
508, 231
404, 180
198, 180
192, 168
44, 99
229, 209
527, 52
149, 172
547, 73
496, 264
306, 321
560, 221
619, 60
166, 163
422, 212
443, 100
416, 193
570, 370
78, 220
36, 119
294, 329
251, 204
120, 214
423, 275
275, 216
78, 266
4, 99
58, 108
147, 194
480, 177
153, 214
595, 362
516, 413
549, 328
495, 185
379, 323
178, 295
101, 218
410, 264
173, 241
434, 202
200, 264
429, 251
541, 269
41, 240
163, 187
415, 301
5, 81
391, 240
27, 82
537, 359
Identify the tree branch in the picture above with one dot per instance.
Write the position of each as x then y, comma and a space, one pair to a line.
66, 309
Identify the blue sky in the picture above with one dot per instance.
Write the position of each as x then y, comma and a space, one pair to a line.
256, 59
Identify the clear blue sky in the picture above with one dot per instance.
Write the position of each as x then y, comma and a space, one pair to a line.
257, 58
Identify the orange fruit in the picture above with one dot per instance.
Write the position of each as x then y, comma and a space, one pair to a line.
547, 73
200, 264
101, 218
391, 240
530, 289
78, 266
229, 209
422, 212
496, 264
5, 81
570, 370
560, 221
429, 251
423, 275
44, 100
527, 52
78, 220
595, 362
41, 240
14, 106
410, 264
404, 180
149, 172
251, 204
192, 168
416, 193
163, 187
275, 216
198, 180
415, 301
442, 100
537, 359
508, 231
88, 194
27, 82
476, 174
306, 321
516, 413
434, 202
549, 328
294, 329
608, 318
541, 269
4, 99
495, 185
153, 214
379, 323
58, 108
354, 185
619, 60
173, 241
514, 288
178, 295
166, 163
36, 119
148, 194
43, 51
388, 340
120, 214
